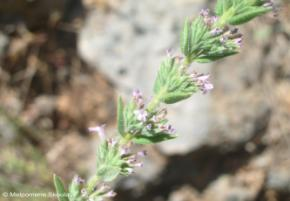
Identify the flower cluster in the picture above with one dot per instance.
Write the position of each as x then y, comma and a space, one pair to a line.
151, 120
125, 160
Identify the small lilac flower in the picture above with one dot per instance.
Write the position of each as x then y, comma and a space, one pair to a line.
216, 32
169, 53
78, 180
131, 161
268, 3
149, 126
238, 42
100, 130
110, 194
138, 164
142, 153
138, 98
202, 82
124, 151
168, 129
112, 142
130, 170
137, 94
141, 115
204, 12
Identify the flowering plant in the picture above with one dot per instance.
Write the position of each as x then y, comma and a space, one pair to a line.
205, 39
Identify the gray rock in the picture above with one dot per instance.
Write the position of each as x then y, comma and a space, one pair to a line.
279, 179
243, 186
239, 119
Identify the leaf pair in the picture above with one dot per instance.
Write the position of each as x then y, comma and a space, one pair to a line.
172, 83
192, 36
236, 12
109, 162
74, 191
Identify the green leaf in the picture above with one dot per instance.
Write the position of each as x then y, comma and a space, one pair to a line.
214, 57
219, 8
175, 97
227, 4
120, 117
152, 139
74, 191
247, 16
185, 43
108, 172
60, 190
108, 162
172, 84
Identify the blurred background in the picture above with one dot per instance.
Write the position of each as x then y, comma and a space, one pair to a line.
63, 62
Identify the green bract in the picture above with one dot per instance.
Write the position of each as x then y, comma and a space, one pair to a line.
109, 162
60, 189
75, 192
172, 83
193, 35
152, 137
202, 42
237, 12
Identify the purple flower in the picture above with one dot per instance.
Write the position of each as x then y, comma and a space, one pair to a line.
112, 142
124, 151
204, 12
138, 98
202, 81
238, 41
78, 180
138, 164
137, 94
142, 153
110, 194
216, 32
141, 115
168, 129
100, 130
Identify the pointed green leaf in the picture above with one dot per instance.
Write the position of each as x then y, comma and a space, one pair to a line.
108, 172
175, 97
120, 117
152, 139
186, 39
214, 57
247, 16
60, 190
219, 8
74, 191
